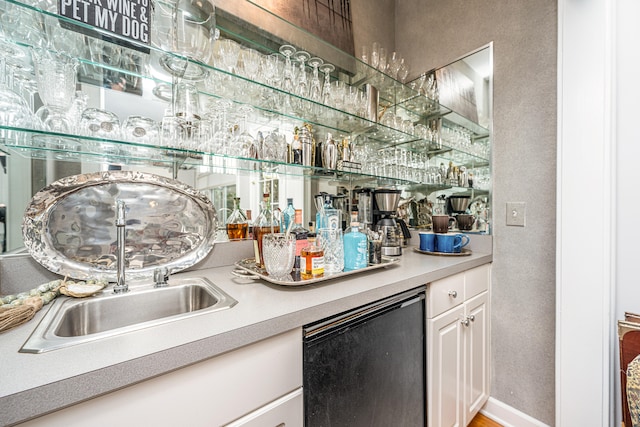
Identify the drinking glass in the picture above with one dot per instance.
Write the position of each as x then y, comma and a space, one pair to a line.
251, 59
99, 123
140, 129
288, 71
187, 28
244, 143
186, 107
315, 88
330, 240
302, 85
56, 76
326, 69
278, 252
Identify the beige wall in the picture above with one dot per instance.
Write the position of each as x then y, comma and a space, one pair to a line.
433, 33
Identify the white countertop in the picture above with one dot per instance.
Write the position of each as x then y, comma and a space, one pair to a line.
59, 378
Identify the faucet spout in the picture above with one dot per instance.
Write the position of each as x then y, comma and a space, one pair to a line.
121, 285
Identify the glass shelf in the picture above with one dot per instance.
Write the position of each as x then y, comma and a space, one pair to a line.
275, 108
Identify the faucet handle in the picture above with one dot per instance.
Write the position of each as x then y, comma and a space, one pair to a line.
160, 277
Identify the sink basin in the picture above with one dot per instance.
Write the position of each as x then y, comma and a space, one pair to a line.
72, 321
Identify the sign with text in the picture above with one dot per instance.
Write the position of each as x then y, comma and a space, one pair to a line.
127, 18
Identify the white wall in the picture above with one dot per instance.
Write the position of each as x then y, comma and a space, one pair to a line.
628, 154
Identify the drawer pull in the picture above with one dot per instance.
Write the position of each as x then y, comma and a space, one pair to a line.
465, 322
453, 294
471, 317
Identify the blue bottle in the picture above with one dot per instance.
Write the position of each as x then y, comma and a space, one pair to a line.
288, 215
356, 248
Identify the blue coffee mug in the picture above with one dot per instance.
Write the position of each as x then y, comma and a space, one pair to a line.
427, 241
451, 243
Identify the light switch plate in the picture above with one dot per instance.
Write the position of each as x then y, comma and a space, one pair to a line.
516, 213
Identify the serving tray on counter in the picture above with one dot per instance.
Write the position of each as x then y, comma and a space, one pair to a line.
463, 252
247, 268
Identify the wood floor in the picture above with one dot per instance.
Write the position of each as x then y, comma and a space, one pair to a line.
482, 421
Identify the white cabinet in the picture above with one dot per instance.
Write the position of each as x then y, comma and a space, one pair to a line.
260, 384
458, 347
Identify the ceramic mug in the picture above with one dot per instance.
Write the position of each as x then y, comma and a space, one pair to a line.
427, 241
465, 221
441, 223
451, 243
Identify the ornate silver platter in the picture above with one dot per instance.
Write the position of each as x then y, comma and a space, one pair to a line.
69, 226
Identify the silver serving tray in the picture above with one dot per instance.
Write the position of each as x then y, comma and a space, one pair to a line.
69, 226
247, 268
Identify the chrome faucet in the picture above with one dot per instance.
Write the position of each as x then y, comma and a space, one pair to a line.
121, 285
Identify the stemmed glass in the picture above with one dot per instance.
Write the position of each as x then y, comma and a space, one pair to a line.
56, 76
327, 69
315, 89
287, 79
245, 144
302, 87
222, 136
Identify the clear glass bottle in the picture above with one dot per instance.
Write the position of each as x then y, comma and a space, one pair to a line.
312, 260
265, 223
328, 216
356, 247
288, 214
237, 224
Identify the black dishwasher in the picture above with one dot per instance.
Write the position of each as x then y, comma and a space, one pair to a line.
366, 367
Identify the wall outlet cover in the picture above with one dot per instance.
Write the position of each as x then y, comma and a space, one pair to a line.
516, 213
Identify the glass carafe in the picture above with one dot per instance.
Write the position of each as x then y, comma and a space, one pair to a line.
265, 223
237, 224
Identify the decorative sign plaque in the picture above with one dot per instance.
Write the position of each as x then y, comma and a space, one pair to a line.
127, 18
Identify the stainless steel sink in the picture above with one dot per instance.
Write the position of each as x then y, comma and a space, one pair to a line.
74, 321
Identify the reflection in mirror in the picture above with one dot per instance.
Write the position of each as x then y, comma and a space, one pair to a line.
453, 187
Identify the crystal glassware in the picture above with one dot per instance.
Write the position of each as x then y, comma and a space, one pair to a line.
187, 28
278, 250
237, 223
331, 242
56, 76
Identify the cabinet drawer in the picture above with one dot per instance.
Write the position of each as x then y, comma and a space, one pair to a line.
477, 280
288, 411
445, 294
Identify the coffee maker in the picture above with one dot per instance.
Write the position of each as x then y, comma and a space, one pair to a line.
386, 205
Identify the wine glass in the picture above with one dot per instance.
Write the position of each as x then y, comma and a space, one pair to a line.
287, 72
244, 143
302, 86
327, 69
315, 88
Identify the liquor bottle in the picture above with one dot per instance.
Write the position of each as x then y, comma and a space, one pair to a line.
264, 224
356, 247
312, 260
289, 214
328, 216
300, 232
237, 224
296, 148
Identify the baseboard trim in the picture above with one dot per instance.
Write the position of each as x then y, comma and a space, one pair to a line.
508, 416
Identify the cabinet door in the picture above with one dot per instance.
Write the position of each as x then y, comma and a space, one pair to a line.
476, 338
444, 367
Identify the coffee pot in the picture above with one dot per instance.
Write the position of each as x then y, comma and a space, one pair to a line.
387, 204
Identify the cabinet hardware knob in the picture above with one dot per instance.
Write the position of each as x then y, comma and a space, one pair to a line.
471, 317
453, 294
465, 322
